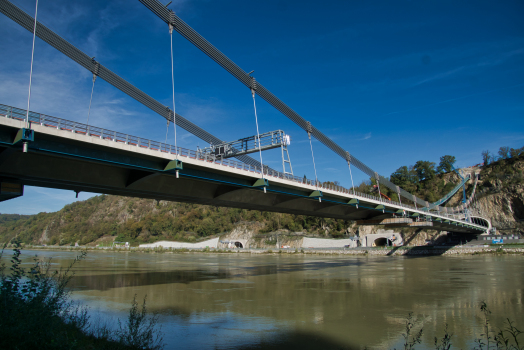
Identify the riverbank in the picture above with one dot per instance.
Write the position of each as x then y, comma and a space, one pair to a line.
386, 251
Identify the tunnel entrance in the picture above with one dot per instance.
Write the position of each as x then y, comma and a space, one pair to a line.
382, 242
239, 245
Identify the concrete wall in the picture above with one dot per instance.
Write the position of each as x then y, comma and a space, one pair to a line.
369, 240
211, 243
327, 243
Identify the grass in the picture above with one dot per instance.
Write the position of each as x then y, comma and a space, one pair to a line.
37, 313
509, 337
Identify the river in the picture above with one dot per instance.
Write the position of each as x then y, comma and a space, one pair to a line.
282, 301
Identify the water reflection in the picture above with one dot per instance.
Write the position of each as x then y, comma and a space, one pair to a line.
251, 302
134, 279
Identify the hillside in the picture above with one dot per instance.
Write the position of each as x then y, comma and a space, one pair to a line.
108, 218
501, 194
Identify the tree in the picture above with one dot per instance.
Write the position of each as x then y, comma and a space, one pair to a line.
504, 152
514, 153
486, 157
404, 176
446, 164
425, 170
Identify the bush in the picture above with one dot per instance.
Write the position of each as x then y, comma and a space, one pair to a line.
36, 310
140, 331
506, 338
37, 313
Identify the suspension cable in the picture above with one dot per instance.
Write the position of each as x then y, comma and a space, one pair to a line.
173, 88
378, 187
351, 175
252, 88
309, 129
91, 99
31, 70
167, 130
348, 158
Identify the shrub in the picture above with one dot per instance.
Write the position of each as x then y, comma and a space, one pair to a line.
37, 313
36, 310
140, 331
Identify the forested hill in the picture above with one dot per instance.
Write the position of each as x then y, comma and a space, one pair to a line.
108, 218
138, 220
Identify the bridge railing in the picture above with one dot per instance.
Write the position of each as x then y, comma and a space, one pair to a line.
115, 136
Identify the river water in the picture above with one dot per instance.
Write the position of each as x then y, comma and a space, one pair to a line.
283, 301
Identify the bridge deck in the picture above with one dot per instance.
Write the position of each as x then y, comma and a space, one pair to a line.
65, 156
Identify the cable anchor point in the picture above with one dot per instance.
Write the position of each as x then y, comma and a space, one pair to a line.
253, 86
309, 129
171, 20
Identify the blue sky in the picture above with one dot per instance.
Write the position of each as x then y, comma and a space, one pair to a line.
392, 82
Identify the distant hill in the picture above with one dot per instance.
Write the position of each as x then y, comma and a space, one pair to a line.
144, 220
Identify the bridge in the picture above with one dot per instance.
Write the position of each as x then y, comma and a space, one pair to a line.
41, 150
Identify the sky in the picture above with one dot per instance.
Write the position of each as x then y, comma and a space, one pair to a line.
391, 82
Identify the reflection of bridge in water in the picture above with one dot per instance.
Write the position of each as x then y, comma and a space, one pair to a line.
68, 155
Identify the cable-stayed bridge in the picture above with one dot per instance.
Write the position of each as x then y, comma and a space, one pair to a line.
79, 157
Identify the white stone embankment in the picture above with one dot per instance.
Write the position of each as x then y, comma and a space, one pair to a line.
308, 242
210, 243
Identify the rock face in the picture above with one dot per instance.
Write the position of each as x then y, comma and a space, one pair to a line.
242, 236
501, 198
505, 210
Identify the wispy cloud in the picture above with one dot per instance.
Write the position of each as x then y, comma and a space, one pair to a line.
490, 60
366, 136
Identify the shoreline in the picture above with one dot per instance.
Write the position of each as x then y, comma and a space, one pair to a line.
395, 251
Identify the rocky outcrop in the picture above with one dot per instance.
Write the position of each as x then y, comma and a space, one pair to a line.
505, 210
501, 197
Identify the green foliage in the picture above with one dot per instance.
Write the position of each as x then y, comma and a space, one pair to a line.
37, 313
36, 310
100, 220
504, 152
410, 339
486, 157
507, 338
425, 170
445, 342
446, 164
502, 173
406, 178
140, 331
514, 153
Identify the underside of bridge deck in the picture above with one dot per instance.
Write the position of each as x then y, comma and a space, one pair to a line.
78, 166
